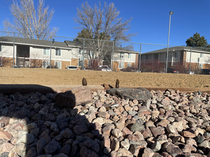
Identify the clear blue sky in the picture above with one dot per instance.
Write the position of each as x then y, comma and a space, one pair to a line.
150, 18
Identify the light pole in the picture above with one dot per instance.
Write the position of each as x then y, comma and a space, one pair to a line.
170, 13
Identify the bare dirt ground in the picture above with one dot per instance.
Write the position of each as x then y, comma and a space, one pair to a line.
65, 79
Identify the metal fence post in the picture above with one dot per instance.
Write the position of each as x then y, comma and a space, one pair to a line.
190, 59
83, 60
14, 52
50, 50
140, 59
112, 56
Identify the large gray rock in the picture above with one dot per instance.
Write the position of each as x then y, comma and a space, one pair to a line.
130, 93
137, 127
74, 97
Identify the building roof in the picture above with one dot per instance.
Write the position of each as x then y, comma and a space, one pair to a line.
45, 43
73, 43
179, 48
118, 49
32, 42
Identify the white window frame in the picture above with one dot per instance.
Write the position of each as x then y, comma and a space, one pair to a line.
122, 55
128, 64
201, 65
121, 65
80, 51
45, 63
129, 55
58, 52
46, 51
59, 67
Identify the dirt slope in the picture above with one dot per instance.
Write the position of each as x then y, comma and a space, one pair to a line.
56, 78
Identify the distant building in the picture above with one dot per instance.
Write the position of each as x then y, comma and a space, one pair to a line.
36, 53
181, 56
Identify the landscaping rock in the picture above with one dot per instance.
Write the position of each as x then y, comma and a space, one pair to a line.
131, 93
169, 124
76, 96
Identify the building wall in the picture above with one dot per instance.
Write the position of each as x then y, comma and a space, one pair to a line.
132, 64
194, 66
137, 61
116, 65
86, 63
65, 55
116, 57
74, 61
75, 53
206, 66
197, 57
64, 64
183, 58
7, 50
7, 54
7, 61
37, 53
37, 56
125, 64
172, 56
36, 63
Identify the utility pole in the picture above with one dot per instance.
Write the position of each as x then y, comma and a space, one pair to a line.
170, 13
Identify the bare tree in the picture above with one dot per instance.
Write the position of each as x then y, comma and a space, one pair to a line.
30, 23
103, 24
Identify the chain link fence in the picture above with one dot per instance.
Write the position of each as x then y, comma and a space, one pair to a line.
92, 54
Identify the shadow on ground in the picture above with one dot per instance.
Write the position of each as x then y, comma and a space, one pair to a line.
32, 125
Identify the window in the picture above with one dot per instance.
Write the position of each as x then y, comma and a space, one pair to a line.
0, 47
128, 64
129, 55
58, 64
146, 56
58, 52
45, 64
80, 51
121, 65
201, 66
121, 55
46, 51
201, 55
176, 54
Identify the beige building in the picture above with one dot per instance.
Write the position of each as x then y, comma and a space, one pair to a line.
123, 58
38, 53
179, 56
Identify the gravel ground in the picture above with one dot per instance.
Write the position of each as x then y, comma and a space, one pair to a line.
170, 124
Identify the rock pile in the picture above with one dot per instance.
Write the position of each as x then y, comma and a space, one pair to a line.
171, 123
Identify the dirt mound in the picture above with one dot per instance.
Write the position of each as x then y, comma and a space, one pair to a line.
65, 79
